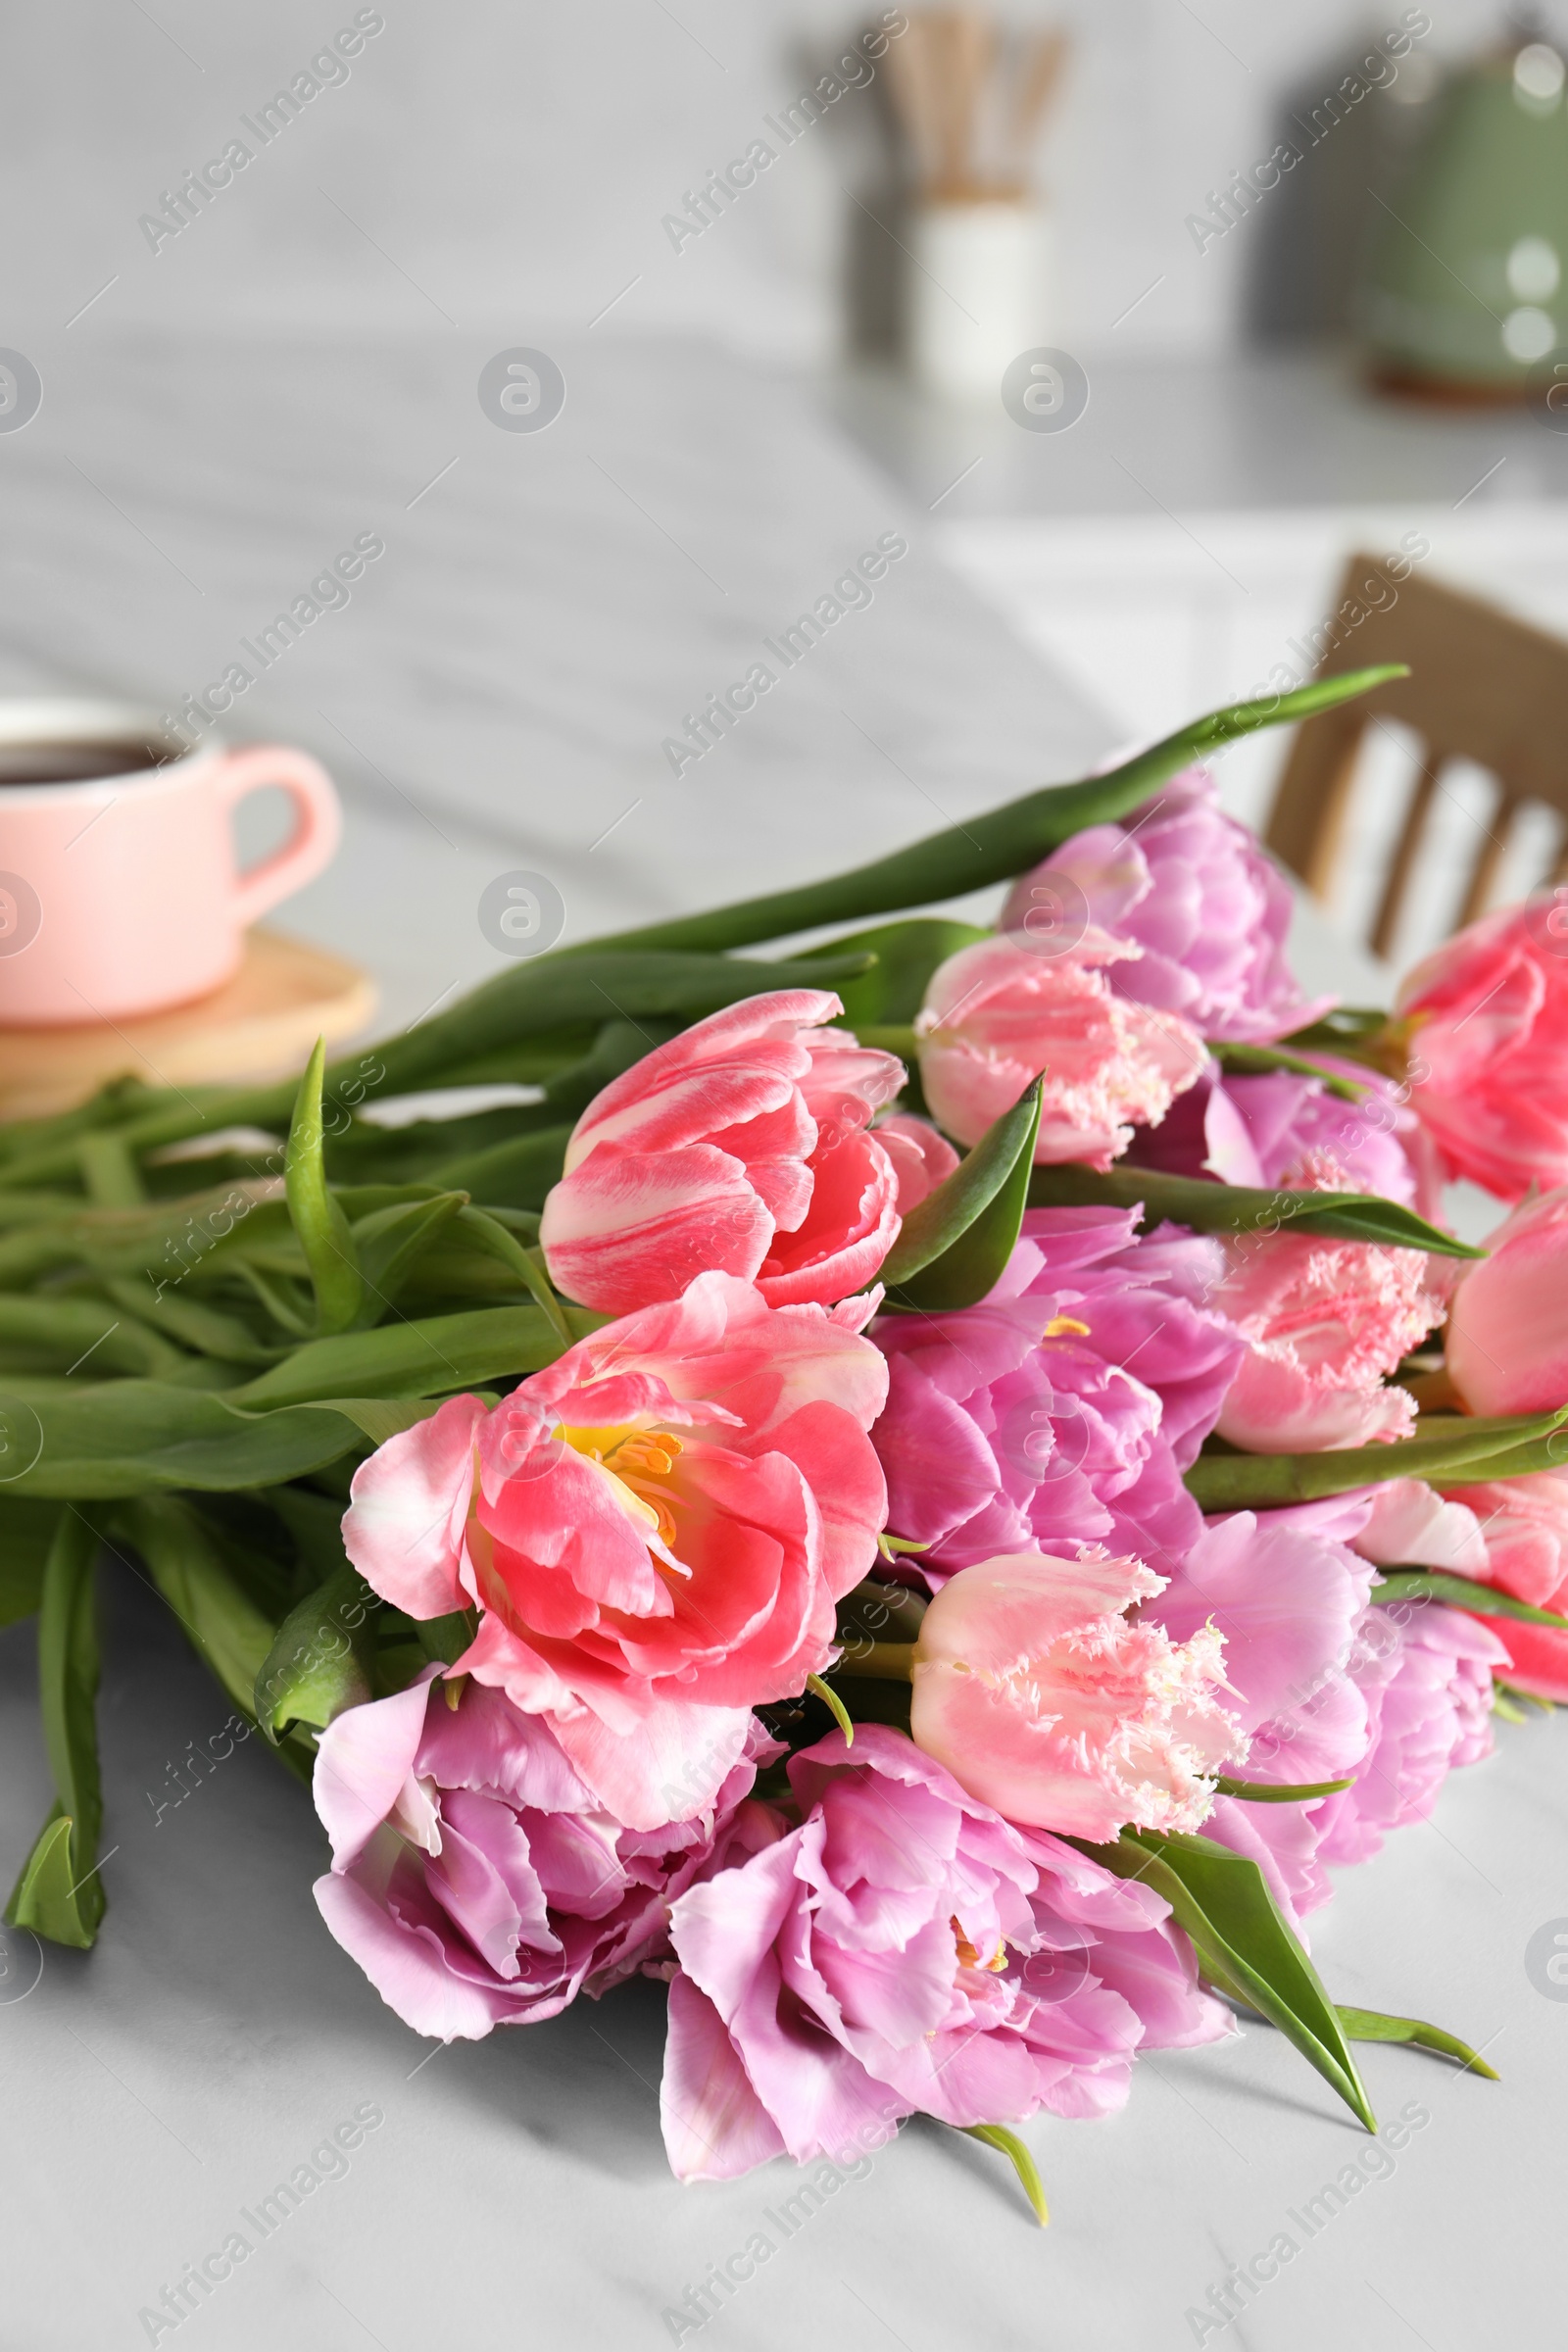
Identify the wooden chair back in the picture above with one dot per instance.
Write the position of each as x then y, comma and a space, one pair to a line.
1483, 687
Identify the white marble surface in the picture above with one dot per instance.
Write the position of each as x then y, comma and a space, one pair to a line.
498, 691
539, 620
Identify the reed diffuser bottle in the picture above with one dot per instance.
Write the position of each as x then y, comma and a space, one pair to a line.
978, 284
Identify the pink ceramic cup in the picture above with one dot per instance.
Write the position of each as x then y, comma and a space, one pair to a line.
119, 888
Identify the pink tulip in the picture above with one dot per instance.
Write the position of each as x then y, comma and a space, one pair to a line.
1326, 1322
905, 1950
1488, 1017
655, 1531
1191, 889
1524, 1527
476, 1879
922, 1158
1407, 1524
1044, 1699
1000, 1014
742, 1147
1508, 1343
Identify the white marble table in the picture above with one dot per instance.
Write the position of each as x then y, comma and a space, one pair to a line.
495, 697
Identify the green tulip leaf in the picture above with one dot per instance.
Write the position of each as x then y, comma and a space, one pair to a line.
892, 992
955, 1245
134, 1436
1370, 2025
60, 1893
28, 1530
1243, 1945
997, 2136
388, 1244
436, 1356
511, 1175
1460, 1593
1279, 1793
1211, 1207
491, 1237
321, 1659
1448, 1450
225, 1628
318, 1221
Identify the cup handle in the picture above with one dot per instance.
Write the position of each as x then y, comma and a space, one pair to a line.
318, 830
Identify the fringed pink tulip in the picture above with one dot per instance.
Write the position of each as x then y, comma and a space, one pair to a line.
1044, 1699
1326, 1322
999, 1014
655, 1531
741, 1146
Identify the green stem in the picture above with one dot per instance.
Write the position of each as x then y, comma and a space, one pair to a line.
1279, 1793
892, 1036
1246, 1060
880, 1661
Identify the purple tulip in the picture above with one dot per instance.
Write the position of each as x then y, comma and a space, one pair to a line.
1065, 1406
1281, 1129
1191, 889
907, 1950
1426, 1673
477, 1881
1331, 1687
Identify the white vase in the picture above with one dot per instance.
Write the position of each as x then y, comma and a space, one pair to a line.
976, 293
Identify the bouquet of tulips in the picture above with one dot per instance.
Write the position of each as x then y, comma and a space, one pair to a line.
921, 1492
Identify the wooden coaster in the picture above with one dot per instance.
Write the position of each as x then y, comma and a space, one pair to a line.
262, 1024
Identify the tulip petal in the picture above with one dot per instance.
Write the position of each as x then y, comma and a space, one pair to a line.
404, 1526
716, 2127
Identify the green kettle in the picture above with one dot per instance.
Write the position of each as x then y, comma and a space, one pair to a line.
1465, 289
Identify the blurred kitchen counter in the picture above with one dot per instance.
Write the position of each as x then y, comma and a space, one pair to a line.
1188, 535
1238, 432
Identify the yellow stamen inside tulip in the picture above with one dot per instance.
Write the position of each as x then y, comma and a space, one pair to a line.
635, 1461
1060, 1326
969, 1953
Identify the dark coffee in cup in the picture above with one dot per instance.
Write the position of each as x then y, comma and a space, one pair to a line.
77, 762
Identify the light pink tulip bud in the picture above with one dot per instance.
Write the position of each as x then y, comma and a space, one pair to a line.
1043, 1698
